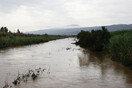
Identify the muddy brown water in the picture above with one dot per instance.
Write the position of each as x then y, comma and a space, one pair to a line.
67, 66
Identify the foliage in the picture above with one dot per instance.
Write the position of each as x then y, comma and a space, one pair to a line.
120, 32
94, 40
9, 39
3, 29
120, 47
18, 31
25, 77
117, 44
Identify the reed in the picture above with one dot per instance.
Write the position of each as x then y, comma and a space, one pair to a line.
119, 47
20, 39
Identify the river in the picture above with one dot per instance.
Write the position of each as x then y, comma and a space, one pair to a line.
67, 66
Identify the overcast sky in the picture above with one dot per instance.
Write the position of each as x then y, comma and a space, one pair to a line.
29, 15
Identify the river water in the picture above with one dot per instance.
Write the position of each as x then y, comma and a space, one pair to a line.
67, 66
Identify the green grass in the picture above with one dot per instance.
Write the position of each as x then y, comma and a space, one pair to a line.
119, 47
20, 39
120, 32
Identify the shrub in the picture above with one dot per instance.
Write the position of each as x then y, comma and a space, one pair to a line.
94, 40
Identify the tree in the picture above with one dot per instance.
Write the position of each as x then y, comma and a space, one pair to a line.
10, 31
18, 31
4, 29
94, 40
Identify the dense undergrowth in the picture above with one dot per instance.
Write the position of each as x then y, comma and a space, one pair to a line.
119, 47
9, 39
117, 44
94, 40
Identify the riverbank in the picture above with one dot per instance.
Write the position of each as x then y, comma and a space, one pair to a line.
8, 39
117, 44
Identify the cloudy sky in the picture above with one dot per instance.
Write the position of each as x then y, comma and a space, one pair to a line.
28, 15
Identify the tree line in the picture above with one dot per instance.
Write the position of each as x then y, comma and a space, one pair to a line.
5, 30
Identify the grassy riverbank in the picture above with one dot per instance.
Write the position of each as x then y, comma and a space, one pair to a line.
117, 44
8, 39
119, 47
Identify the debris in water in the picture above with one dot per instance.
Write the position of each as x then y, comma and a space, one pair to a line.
33, 74
68, 48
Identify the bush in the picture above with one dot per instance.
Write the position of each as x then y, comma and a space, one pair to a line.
94, 40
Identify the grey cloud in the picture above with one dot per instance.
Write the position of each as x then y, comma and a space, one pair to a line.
54, 13
73, 25
11, 5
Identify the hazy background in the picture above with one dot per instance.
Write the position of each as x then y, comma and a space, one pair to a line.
31, 15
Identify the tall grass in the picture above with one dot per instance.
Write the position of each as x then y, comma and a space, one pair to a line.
19, 39
120, 47
121, 32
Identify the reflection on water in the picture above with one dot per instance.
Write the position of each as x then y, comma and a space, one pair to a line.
88, 58
69, 65
109, 70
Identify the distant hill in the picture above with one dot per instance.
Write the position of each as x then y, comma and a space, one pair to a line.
74, 31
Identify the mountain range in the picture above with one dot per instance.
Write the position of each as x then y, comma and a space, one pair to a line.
74, 31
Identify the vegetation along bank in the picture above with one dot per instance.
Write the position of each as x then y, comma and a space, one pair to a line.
117, 44
9, 39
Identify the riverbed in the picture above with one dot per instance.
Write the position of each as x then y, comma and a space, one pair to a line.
67, 66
